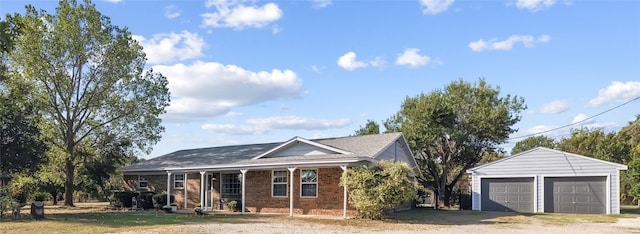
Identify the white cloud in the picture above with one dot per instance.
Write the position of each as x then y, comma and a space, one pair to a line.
412, 58
616, 92
232, 129
265, 125
204, 90
172, 12
493, 44
554, 107
170, 47
582, 119
275, 29
349, 62
321, 3
432, 7
535, 5
295, 122
234, 14
113, 1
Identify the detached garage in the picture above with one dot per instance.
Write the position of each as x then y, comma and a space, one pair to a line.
546, 180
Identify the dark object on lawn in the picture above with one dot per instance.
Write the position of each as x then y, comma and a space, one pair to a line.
37, 210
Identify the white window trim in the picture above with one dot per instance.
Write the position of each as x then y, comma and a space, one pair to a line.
273, 172
316, 183
145, 180
175, 180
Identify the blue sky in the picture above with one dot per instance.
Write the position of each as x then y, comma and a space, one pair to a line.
244, 72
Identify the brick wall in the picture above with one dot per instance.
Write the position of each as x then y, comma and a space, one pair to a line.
158, 184
258, 192
328, 202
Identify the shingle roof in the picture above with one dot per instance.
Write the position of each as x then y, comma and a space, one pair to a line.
360, 147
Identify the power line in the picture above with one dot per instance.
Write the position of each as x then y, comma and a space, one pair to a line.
571, 124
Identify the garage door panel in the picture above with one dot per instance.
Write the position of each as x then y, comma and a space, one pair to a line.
575, 195
507, 194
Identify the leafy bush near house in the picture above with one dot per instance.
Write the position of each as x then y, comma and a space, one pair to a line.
145, 200
383, 186
160, 200
42, 196
123, 198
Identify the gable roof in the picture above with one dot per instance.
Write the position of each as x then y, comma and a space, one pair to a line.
536, 151
347, 150
300, 140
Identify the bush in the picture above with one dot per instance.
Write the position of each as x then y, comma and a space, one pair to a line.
82, 196
160, 200
123, 198
145, 200
41, 196
383, 186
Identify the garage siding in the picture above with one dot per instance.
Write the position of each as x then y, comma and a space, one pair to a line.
542, 162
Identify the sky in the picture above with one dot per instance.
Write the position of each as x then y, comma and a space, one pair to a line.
244, 72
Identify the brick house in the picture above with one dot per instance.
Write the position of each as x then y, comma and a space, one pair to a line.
298, 176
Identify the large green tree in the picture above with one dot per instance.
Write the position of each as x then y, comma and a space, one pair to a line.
89, 76
370, 128
533, 142
450, 130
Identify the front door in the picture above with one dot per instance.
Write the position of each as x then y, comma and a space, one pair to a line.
209, 186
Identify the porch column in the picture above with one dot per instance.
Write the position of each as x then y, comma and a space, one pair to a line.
185, 190
291, 170
202, 190
168, 188
244, 178
344, 196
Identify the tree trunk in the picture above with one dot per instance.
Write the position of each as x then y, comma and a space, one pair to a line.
68, 184
447, 197
55, 197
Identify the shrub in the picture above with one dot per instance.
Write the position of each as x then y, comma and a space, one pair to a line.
160, 200
383, 186
123, 198
42, 196
145, 200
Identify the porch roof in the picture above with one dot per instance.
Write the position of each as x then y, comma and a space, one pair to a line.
361, 148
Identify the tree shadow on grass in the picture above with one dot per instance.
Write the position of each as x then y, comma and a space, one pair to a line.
422, 215
141, 218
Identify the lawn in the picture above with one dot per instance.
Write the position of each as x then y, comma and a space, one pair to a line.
96, 218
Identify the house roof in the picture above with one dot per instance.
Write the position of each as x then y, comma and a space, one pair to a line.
549, 152
350, 149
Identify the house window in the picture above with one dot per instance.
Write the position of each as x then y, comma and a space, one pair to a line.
309, 182
231, 184
142, 182
178, 181
279, 184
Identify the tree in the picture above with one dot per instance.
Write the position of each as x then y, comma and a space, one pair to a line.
370, 128
383, 186
90, 78
450, 130
533, 142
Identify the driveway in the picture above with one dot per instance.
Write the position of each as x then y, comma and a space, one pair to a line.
300, 225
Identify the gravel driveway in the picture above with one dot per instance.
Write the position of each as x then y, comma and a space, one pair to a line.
624, 225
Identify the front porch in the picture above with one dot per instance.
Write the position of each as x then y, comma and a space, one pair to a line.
293, 190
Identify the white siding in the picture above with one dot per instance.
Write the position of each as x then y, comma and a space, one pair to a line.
301, 149
542, 162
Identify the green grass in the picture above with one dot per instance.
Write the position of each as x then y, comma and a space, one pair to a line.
95, 218
83, 220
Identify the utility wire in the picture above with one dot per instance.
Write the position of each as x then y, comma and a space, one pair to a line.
571, 124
